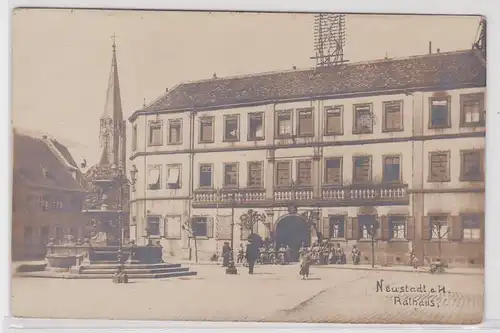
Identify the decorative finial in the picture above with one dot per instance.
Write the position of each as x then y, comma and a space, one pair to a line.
114, 41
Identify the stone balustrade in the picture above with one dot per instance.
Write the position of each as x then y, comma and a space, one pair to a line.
348, 195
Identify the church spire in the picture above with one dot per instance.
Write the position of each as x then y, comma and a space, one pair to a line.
113, 106
112, 126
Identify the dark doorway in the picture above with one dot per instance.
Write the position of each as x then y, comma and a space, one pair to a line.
293, 231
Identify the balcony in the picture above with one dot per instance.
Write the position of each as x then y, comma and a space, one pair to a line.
366, 194
228, 197
330, 196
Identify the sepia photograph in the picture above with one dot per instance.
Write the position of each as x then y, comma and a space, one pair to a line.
248, 166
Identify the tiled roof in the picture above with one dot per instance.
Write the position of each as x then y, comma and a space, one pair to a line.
36, 164
64, 152
432, 71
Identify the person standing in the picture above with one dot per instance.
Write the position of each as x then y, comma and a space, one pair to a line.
226, 252
252, 253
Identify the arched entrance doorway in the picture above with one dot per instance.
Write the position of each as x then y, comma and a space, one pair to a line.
293, 230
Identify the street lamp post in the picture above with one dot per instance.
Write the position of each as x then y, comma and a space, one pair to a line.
120, 275
231, 269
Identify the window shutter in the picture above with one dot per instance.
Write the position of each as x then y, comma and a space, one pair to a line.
165, 226
410, 228
455, 234
210, 227
162, 222
326, 227
384, 228
482, 229
426, 228
348, 228
355, 228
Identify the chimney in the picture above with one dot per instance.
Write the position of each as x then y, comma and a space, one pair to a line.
166, 89
214, 76
294, 67
430, 47
438, 50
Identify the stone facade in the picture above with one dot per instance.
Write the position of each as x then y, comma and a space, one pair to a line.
409, 158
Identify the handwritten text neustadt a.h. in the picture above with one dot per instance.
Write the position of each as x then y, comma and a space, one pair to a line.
405, 288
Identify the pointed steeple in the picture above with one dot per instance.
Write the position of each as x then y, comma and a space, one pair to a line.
112, 126
113, 106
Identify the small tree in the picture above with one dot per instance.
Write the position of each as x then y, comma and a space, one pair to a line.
371, 225
439, 230
189, 227
312, 218
251, 218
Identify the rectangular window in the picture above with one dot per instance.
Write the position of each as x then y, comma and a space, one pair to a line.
472, 168
397, 225
154, 177
59, 233
28, 236
471, 227
439, 168
333, 171
337, 226
206, 175
45, 234
392, 169
393, 116
440, 112
304, 173
206, 129
438, 226
155, 133
334, 123
367, 226
153, 228
174, 176
283, 173
231, 128
305, 126
134, 137
284, 123
256, 126
255, 174
472, 111
362, 172
231, 175
44, 202
363, 119
175, 131
200, 227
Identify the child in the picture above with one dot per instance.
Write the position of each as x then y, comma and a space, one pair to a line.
305, 262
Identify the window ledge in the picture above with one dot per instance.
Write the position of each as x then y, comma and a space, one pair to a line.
392, 130
154, 236
447, 180
333, 134
231, 140
398, 240
205, 141
174, 143
256, 139
471, 241
155, 144
200, 237
435, 127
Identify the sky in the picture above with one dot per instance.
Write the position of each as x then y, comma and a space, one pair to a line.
61, 58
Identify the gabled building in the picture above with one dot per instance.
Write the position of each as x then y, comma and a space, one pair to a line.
48, 193
395, 142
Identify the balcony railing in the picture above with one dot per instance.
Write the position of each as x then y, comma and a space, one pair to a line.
381, 192
228, 196
348, 195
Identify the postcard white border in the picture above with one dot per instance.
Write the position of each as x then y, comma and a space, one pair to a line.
482, 7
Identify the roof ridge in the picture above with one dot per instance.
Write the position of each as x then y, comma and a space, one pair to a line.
374, 61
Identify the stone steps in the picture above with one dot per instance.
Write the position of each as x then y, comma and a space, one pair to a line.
132, 270
114, 265
163, 275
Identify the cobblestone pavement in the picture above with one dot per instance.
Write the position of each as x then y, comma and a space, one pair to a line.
274, 293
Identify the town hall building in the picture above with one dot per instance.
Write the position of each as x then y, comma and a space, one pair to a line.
396, 143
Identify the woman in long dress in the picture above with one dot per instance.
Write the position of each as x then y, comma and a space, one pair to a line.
305, 263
